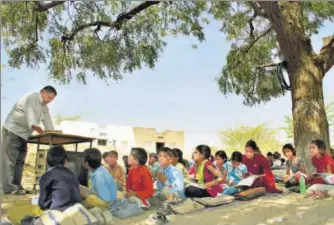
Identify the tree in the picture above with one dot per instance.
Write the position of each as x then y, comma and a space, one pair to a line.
288, 128
112, 38
235, 139
59, 118
106, 38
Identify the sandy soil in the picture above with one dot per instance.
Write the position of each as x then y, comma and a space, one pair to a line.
287, 210
270, 209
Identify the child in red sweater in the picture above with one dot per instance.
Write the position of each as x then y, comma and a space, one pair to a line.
139, 182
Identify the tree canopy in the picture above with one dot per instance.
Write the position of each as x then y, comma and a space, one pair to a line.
234, 139
111, 38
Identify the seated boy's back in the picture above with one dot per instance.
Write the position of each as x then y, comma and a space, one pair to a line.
59, 187
103, 184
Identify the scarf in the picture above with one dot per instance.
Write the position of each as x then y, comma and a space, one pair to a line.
200, 172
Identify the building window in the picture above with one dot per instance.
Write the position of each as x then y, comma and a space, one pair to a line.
102, 142
114, 142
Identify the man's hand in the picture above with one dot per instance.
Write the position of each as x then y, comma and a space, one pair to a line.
38, 129
161, 177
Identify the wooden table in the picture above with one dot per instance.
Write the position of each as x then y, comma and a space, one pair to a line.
50, 139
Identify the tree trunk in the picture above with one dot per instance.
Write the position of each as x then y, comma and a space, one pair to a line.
308, 109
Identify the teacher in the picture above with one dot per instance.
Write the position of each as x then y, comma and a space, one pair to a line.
24, 118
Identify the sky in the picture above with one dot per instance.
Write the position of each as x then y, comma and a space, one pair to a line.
179, 93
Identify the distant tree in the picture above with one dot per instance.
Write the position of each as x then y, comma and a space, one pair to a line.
235, 138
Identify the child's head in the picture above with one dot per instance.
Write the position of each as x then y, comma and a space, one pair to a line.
251, 149
288, 151
56, 156
105, 157
282, 161
125, 160
112, 158
153, 157
166, 156
179, 154
138, 157
220, 158
270, 155
318, 147
277, 156
236, 159
174, 158
92, 158
201, 153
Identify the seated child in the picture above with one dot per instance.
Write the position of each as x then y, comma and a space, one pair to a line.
177, 161
258, 164
126, 164
170, 181
103, 184
110, 159
205, 174
321, 160
153, 165
293, 164
59, 187
277, 163
220, 161
235, 171
139, 182
270, 157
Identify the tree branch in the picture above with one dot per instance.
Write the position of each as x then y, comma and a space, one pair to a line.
251, 26
250, 45
117, 24
267, 65
257, 9
327, 53
41, 7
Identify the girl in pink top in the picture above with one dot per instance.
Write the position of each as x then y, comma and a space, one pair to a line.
205, 174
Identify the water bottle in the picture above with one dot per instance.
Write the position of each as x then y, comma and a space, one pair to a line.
302, 185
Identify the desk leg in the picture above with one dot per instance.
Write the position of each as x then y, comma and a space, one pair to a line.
34, 189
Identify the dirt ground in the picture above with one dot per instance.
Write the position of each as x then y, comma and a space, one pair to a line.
287, 210
270, 209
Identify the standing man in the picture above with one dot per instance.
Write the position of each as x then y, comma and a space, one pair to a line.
24, 118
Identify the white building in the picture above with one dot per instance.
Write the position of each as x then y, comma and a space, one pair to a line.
120, 137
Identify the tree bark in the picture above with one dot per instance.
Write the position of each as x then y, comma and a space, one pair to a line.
306, 76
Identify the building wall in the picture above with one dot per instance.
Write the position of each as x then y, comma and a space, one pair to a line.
146, 138
174, 139
122, 138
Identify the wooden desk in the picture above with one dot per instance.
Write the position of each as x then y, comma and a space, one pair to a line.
50, 139
54, 138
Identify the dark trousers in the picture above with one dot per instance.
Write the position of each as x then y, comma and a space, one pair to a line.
13, 154
195, 192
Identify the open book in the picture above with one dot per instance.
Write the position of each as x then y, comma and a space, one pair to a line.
248, 181
191, 183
